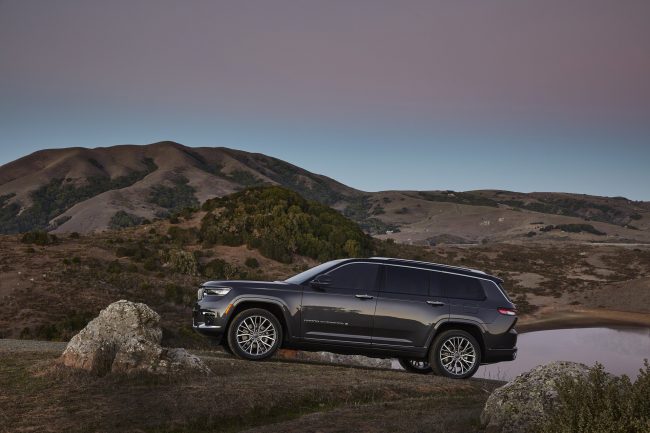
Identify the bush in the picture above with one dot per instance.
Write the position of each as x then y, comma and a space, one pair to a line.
252, 263
280, 223
175, 198
574, 228
38, 237
602, 403
218, 269
123, 219
182, 262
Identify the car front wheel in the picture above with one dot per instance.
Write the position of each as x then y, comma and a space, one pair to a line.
455, 354
254, 334
415, 366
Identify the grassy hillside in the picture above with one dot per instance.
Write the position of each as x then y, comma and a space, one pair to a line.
85, 190
280, 223
272, 396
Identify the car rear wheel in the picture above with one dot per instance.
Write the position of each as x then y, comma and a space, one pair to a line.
254, 334
415, 366
455, 354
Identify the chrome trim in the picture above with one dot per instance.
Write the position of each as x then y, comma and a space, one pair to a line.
202, 325
430, 263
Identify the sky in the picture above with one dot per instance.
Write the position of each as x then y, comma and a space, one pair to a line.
547, 95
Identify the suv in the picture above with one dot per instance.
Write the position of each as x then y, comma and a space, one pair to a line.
434, 318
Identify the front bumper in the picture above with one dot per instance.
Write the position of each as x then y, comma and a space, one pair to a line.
209, 318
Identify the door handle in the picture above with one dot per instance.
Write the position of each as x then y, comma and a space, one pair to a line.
364, 296
436, 303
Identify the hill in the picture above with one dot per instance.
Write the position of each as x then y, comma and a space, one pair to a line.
85, 190
78, 189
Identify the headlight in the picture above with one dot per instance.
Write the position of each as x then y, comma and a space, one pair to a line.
212, 291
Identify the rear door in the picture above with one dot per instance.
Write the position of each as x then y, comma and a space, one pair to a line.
342, 312
466, 296
407, 308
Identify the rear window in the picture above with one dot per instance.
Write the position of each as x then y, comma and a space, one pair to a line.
459, 286
406, 280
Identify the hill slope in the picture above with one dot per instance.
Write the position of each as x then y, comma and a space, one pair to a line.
80, 189
85, 190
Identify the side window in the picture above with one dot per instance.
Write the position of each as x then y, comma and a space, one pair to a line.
361, 276
460, 287
406, 280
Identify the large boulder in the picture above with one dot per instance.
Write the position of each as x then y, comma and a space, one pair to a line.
125, 338
522, 404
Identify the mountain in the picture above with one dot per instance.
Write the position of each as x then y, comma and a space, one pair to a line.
78, 189
85, 190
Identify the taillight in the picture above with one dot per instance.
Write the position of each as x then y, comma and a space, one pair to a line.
507, 311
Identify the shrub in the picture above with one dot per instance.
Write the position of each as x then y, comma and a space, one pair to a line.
182, 262
280, 223
181, 236
252, 263
123, 219
75, 235
38, 237
176, 197
574, 228
602, 403
219, 270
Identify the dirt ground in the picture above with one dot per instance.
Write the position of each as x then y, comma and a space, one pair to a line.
37, 395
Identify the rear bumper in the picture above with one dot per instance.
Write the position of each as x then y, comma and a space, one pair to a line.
499, 355
500, 347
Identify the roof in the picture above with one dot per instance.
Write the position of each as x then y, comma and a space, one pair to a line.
440, 266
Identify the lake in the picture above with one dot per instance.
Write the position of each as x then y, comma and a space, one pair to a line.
620, 350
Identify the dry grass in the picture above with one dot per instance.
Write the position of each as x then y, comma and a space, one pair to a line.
37, 395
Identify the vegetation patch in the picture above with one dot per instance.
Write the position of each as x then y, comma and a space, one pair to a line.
59, 195
574, 228
602, 403
39, 237
449, 196
176, 197
574, 207
280, 223
122, 219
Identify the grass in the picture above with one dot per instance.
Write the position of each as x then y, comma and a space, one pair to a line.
39, 395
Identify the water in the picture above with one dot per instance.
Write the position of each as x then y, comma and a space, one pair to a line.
620, 350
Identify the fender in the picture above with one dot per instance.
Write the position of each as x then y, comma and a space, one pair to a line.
286, 311
434, 330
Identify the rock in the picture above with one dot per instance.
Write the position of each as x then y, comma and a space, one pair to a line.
334, 358
125, 338
522, 404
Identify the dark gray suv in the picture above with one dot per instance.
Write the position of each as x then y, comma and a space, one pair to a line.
434, 318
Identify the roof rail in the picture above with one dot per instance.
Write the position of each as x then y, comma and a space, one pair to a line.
430, 263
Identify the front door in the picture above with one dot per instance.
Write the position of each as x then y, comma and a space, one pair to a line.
342, 312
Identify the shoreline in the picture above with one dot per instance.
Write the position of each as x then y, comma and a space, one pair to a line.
582, 318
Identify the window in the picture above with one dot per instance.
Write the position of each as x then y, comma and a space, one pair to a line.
362, 276
460, 287
406, 280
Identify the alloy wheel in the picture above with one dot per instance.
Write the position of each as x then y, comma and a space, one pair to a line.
457, 355
256, 335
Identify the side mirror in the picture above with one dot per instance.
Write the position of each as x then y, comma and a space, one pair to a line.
321, 281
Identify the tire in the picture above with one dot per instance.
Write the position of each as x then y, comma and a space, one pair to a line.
415, 366
258, 325
460, 352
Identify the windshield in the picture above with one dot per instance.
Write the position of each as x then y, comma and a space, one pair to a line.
311, 273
